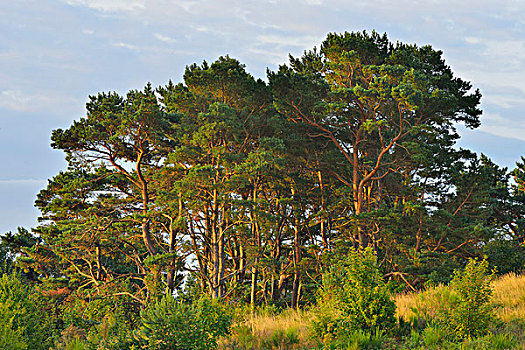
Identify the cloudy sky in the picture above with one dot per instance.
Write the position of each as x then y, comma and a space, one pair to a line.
55, 53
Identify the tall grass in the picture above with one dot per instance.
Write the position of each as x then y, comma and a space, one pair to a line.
508, 294
263, 329
292, 329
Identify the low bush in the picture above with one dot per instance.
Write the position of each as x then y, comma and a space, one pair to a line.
472, 314
24, 324
354, 298
171, 325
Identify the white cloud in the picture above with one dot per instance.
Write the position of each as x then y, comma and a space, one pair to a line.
11, 55
505, 101
186, 5
23, 181
303, 41
473, 40
498, 125
503, 48
273, 57
164, 38
201, 28
314, 2
17, 100
111, 5
127, 46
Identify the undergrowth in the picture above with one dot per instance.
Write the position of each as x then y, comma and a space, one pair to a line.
420, 323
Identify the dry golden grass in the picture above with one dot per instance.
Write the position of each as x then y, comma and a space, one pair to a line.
428, 303
508, 294
296, 320
257, 329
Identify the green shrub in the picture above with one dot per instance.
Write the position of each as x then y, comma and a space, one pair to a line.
11, 336
488, 342
73, 338
23, 323
169, 324
472, 314
243, 337
413, 340
356, 340
281, 339
85, 308
101, 320
115, 332
501, 341
355, 288
433, 337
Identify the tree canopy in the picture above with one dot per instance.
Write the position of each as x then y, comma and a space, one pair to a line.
238, 188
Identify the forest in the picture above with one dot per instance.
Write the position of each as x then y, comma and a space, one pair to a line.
328, 192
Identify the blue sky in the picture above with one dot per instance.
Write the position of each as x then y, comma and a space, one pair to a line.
54, 53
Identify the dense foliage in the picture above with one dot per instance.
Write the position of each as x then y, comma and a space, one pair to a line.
355, 287
168, 324
23, 325
472, 314
342, 167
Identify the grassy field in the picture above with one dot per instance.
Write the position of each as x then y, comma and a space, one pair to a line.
293, 329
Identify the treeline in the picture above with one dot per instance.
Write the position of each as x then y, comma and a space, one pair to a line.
243, 189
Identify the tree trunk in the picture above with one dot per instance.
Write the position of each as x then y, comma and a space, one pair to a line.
99, 267
253, 289
297, 274
257, 242
275, 282
297, 259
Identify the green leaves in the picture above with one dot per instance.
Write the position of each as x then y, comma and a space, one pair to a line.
358, 290
170, 324
471, 316
23, 321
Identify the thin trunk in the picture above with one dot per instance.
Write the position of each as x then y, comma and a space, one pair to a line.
221, 265
146, 237
242, 263
218, 249
357, 194
257, 241
99, 267
275, 284
173, 235
253, 289
265, 288
297, 260
297, 274
323, 208
215, 238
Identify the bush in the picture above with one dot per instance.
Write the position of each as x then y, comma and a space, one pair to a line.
23, 324
73, 338
169, 324
472, 314
281, 339
356, 340
113, 333
354, 286
100, 320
